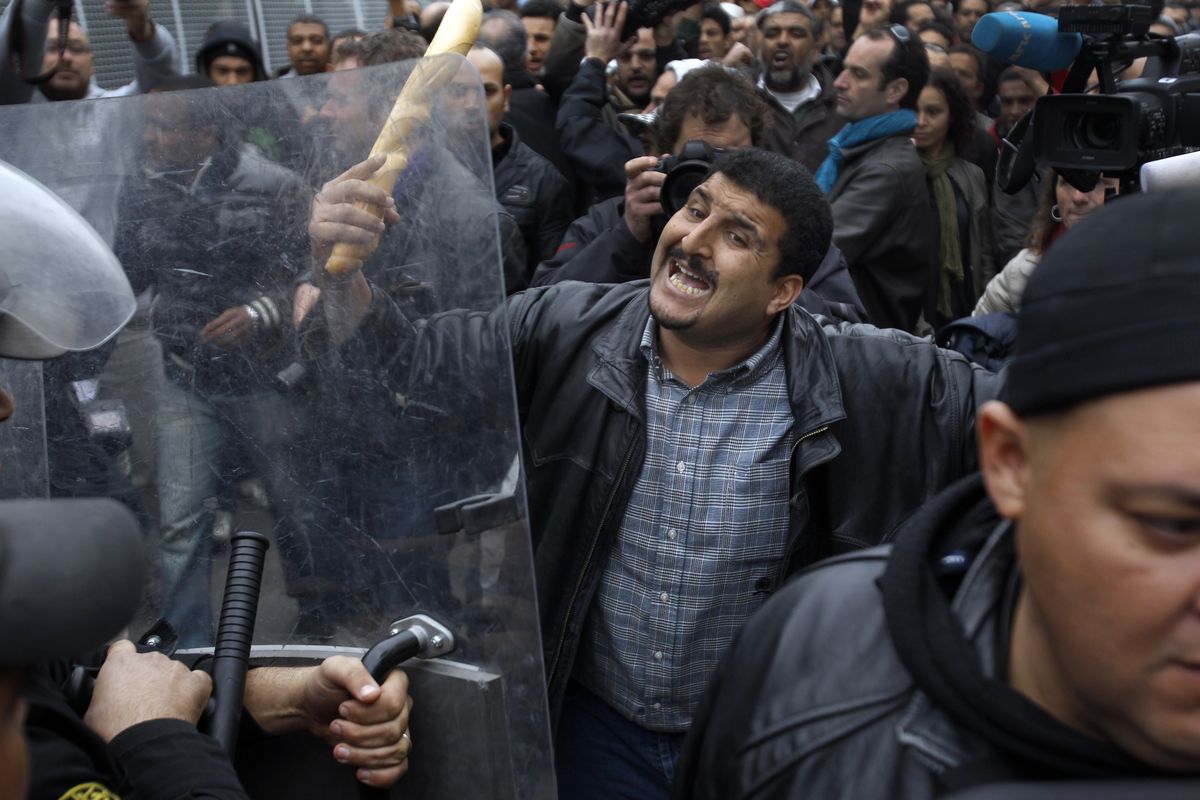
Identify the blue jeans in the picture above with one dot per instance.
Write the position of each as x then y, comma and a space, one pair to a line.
194, 433
600, 755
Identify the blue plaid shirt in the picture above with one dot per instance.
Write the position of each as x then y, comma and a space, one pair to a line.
702, 538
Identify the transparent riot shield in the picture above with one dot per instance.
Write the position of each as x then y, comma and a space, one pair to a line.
387, 481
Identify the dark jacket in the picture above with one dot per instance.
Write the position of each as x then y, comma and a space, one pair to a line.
534, 193
804, 135
598, 248
247, 216
886, 226
816, 697
594, 141
878, 415
531, 111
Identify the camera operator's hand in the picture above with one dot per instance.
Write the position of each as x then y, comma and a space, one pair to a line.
335, 217
604, 33
233, 328
138, 687
339, 702
643, 187
136, 14
738, 56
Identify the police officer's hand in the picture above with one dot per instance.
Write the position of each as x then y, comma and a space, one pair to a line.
233, 328
643, 187
335, 217
138, 687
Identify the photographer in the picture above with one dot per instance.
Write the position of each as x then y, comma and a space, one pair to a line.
613, 242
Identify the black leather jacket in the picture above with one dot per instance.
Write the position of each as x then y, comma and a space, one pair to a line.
534, 193
884, 223
882, 421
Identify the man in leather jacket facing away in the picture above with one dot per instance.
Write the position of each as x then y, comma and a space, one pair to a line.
1040, 621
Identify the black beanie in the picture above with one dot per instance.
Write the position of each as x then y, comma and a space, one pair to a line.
229, 38
1114, 306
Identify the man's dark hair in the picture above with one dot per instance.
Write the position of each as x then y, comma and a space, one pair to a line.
384, 47
959, 106
900, 10
786, 7
308, 19
938, 28
713, 94
541, 8
351, 33
510, 41
974, 53
907, 60
717, 14
785, 185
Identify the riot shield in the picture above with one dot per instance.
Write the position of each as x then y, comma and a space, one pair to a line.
385, 494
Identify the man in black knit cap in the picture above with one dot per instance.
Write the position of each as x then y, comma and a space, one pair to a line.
1039, 621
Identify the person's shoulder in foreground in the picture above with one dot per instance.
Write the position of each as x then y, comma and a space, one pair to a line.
1039, 621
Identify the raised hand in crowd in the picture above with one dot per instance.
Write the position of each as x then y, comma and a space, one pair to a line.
604, 33
135, 687
136, 14
738, 56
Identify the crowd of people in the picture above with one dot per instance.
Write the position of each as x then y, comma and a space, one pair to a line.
784, 544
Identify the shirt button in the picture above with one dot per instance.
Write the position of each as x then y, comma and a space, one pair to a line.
664, 597
658, 706
671, 533
680, 466
658, 654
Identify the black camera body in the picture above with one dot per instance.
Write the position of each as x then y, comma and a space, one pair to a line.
1148, 118
685, 171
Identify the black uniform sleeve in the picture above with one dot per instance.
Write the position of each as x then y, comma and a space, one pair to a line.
168, 758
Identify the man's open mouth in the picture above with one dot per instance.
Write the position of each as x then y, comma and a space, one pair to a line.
781, 58
687, 280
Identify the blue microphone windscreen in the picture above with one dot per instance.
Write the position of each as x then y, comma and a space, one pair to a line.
1027, 40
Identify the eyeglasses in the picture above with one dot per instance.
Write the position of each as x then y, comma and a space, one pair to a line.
900, 34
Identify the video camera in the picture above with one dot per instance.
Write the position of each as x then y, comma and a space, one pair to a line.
1081, 134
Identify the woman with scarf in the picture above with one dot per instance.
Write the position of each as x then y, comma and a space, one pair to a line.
945, 120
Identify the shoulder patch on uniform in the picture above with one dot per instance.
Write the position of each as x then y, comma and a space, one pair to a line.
89, 791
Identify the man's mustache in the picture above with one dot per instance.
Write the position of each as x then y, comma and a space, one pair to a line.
694, 264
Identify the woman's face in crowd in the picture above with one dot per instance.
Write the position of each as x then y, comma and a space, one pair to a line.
1074, 205
933, 120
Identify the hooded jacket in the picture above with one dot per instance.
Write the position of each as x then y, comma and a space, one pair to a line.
878, 414
229, 38
881, 674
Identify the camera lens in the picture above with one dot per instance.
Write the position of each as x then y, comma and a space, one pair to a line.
1095, 130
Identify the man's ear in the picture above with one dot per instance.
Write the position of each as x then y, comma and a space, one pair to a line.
507, 96
896, 91
787, 289
1003, 457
